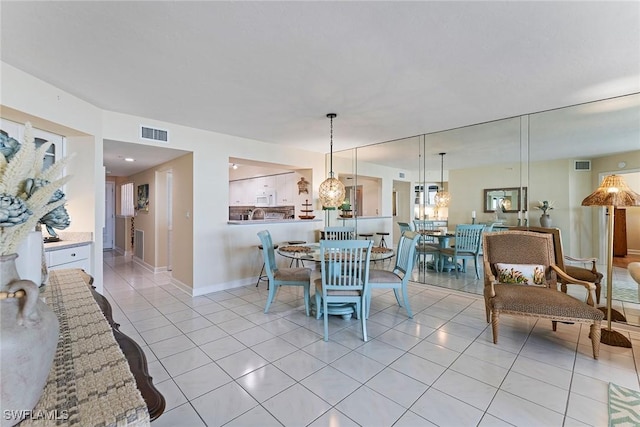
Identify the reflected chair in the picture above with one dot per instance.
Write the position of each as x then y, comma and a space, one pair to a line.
404, 226
520, 250
591, 275
282, 276
398, 278
427, 244
344, 278
339, 233
467, 246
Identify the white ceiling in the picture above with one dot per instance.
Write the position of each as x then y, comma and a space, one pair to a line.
272, 70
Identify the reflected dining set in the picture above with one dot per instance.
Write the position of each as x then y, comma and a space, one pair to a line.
346, 278
436, 243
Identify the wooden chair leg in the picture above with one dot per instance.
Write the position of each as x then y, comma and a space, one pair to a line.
495, 321
595, 338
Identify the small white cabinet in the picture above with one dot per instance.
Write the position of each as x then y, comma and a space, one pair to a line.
74, 257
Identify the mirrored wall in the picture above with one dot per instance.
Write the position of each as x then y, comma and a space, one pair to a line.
559, 156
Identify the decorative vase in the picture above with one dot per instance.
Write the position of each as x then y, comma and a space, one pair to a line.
28, 339
29, 261
545, 220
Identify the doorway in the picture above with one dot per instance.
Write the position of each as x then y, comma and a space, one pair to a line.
164, 219
109, 215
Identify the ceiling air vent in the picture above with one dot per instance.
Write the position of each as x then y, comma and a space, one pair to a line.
154, 134
582, 165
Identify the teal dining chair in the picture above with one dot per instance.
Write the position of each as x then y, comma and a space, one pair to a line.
344, 278
398, 278
404, 226
285, 276
427, 244
467, 246
339, 233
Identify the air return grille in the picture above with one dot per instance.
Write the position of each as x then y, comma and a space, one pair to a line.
138, 239
582, 165
154, 134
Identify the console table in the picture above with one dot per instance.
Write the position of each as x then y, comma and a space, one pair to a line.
91, 381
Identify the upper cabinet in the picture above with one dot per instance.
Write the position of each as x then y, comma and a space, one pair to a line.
284, 188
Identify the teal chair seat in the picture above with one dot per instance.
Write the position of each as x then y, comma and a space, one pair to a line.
282, 276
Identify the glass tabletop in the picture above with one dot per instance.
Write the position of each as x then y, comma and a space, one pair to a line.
311, 252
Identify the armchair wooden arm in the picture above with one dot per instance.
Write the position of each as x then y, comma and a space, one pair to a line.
584, 260
565, 278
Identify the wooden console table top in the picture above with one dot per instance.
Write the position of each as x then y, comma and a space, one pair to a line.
90, 383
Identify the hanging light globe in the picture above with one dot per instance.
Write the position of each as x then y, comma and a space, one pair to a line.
332, 191
442, 198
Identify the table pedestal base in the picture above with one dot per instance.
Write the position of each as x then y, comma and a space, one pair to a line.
345, 310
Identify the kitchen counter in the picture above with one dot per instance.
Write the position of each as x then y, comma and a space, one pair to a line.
69, 240
363, 218
273, 221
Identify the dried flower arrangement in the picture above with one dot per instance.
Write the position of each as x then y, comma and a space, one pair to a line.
545, 206
28, 194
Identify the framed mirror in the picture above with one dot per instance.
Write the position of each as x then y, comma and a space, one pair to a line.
504, 199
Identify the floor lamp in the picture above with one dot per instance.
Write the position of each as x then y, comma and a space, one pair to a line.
613, 192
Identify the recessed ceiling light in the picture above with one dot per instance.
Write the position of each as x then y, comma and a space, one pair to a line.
235, 166
129, 159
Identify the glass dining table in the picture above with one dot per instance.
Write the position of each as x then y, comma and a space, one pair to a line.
444, 240
311, 252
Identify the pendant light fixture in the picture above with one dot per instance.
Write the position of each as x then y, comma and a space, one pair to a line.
442, 197
332, 192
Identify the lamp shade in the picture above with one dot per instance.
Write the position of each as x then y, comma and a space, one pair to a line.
332, 193
613, 191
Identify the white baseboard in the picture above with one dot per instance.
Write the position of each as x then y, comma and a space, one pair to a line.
203, 290
633, 251
123, 252
182, 286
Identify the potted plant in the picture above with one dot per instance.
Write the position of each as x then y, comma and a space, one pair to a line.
545, 206
346, 209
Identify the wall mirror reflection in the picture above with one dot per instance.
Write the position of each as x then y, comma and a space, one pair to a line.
504, 199
558, 155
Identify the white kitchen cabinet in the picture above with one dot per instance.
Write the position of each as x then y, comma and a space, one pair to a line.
235, 193
284, 188
74, 257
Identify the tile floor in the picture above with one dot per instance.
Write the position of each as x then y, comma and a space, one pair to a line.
219, 360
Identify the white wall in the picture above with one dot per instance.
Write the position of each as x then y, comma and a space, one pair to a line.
25, 98
224, 255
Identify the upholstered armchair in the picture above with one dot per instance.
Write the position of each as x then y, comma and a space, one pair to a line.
586, 274
513, 258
